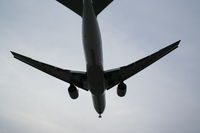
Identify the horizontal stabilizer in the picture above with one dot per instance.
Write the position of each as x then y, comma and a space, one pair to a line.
100, 5
115, 76
72, 77
74, 5
77, 5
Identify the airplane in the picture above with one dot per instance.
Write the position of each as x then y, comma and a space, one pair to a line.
95, 79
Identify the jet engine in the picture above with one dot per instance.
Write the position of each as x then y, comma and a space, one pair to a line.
121, 89
73, 91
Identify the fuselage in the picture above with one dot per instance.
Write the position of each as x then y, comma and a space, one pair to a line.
93, 54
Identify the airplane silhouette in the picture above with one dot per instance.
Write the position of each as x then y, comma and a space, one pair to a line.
95, 79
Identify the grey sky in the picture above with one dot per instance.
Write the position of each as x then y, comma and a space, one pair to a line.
163, 98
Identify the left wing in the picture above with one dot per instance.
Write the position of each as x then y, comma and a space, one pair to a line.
115, 76
71, 77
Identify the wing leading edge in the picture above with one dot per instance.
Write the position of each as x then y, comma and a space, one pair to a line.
115, 76
72, 77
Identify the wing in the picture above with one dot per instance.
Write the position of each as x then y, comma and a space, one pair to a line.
71, 77
115, 76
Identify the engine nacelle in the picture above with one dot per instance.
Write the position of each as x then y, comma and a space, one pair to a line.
73, 91
121, 89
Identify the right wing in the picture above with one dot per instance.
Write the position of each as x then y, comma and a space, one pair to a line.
72, 77
115, 76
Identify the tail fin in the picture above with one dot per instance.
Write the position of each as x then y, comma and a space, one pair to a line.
77, 5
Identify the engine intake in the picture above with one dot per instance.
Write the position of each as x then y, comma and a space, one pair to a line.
121, 89
73, 91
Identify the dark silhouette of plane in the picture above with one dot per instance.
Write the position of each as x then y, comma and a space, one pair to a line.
95, 79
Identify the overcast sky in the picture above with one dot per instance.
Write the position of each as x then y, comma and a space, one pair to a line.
164, 98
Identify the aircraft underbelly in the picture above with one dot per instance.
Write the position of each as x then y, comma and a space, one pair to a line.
99, 103
94, 58
91, 37
92, 46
